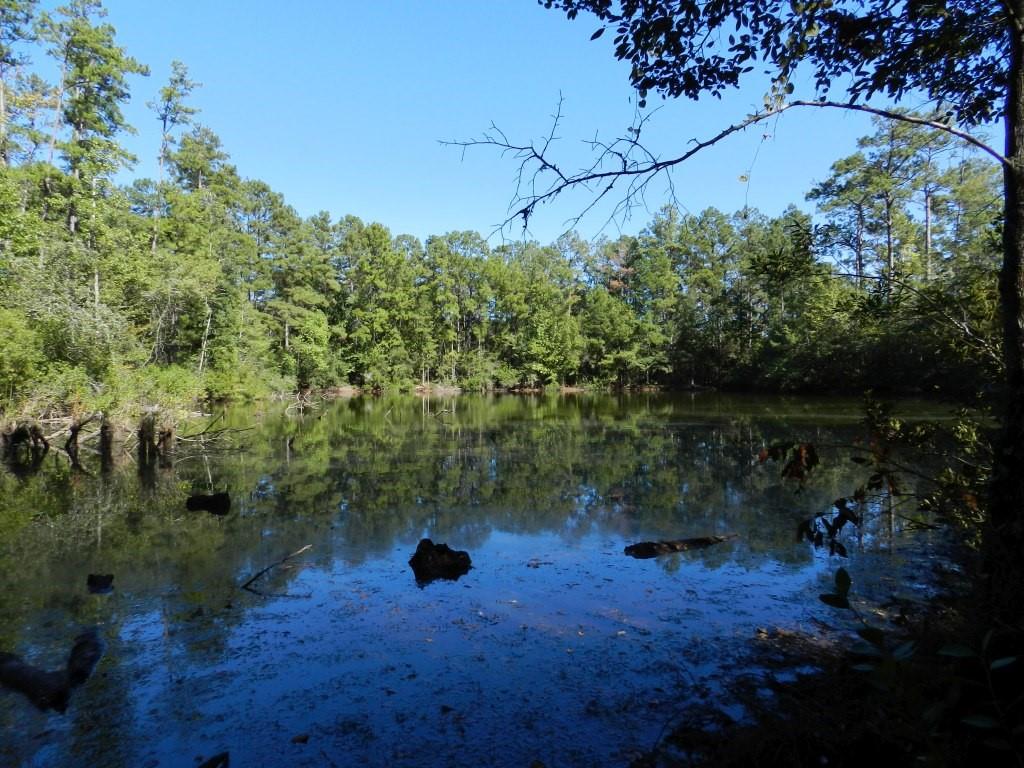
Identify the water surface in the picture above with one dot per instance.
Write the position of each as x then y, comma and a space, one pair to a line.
555, 646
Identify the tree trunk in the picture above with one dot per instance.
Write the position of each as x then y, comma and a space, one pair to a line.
206, 338
1005, 537
889, 247
860, 247
57, 110
3, 120
927, 234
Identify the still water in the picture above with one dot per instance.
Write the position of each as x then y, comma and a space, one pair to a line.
555, 647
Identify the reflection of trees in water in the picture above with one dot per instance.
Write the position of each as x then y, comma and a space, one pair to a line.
360, 477
355, 477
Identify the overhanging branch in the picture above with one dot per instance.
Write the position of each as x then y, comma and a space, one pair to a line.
540, 179
902, 117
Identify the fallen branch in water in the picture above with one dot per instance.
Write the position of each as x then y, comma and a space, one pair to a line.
248, 585
209, 433
206, 429
214, 435
647, 549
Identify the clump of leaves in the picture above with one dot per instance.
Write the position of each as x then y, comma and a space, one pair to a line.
799, 459
825, 527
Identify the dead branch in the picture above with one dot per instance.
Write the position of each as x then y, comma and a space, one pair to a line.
214, 435
540, 179
208, 433
203, 431
248, 584
303, 400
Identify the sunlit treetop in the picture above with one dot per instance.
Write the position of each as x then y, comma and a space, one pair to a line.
955, 51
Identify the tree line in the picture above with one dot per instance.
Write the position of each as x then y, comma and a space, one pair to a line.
202, 283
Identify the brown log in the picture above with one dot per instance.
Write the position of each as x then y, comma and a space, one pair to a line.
647, 549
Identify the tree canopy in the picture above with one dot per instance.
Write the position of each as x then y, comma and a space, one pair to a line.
955, 51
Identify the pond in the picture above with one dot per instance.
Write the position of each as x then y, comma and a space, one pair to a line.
555, 647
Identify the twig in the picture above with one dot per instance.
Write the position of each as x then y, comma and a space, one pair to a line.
286, 558
215, 419
216, 434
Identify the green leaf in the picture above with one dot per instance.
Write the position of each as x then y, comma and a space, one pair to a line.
597, 34
1003, 662
958, 652
843, 582
980, 721
836, 601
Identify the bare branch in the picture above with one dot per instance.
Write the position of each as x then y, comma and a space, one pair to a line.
937, 125
248, 585
540, 179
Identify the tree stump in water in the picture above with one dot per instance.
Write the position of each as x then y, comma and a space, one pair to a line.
106, 445
24, 447
438, 561
147, 440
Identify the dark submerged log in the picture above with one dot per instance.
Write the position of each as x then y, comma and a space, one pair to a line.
647, 549
438, 561
52, 690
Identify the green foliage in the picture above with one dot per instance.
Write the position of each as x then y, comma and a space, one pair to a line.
955, 52
21, 356
203, 283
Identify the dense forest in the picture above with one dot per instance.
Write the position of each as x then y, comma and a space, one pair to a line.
202, 283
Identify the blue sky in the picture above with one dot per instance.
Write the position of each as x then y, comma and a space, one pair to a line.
341, 105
